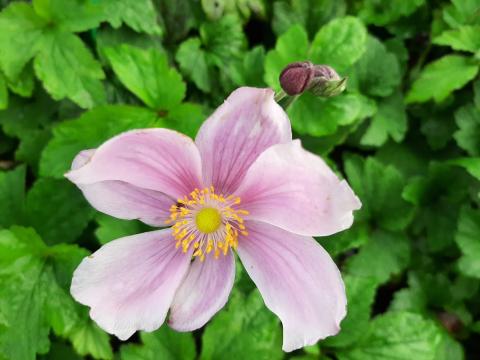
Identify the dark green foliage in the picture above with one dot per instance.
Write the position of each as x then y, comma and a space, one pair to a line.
405, 134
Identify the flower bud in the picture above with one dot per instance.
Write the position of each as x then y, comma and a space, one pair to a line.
326, 82
321, 80
296, 77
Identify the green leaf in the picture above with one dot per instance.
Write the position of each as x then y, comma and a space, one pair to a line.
476, 93
386, 254
389, 121
179, 18
311, 14
405, 157
461, 12
24, 116
468, 134
12, 196
246, 327
360, 296
3, 92
88, 339
381, 13
140, 15
193, 63
349, 239
59, 308
379, 187
411, 299
441, 77
426, 292
24, 84
215, 9
72, 15
110, 228
57, 210
31, 146
438, 127
322, 116
468, 239
438, 195
291, 46
464, 38
396, 335
249, 70
223, 39
147, 74
61, 351
89, 131
340, 43
66, 259
185, 118
164, 344
377, 71
30, 296
29, 120
107, 37
20, 34
450, 349
221, 45
408, 27
68, 69
476, 327
471, 164
397, 46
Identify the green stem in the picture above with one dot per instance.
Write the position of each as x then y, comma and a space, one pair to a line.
279, 96
421, 60
289, 101
284, 100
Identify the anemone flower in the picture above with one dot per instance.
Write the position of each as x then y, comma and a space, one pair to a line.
242, 186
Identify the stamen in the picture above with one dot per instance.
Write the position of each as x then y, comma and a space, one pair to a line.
207, 222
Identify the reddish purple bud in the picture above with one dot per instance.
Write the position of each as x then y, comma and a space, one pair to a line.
450, 322
321, 80
326, 82
296, 77
326, 72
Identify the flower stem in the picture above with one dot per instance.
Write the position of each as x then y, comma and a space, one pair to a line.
280, 95
289, 101
284, 100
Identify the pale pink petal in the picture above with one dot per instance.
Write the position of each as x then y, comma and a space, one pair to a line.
298, 281
203, 293
82, 158
230, 140
130, 283
295, 190
155, 159
123, 200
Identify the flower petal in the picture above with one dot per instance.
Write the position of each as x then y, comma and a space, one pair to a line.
295, 190
123, 200
298, 281
82, 158
156, 159
130, 283
203, 293
230, 140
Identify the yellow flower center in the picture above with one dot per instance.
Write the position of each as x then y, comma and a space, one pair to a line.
207, 222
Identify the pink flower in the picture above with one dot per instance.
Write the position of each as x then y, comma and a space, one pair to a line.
242, 186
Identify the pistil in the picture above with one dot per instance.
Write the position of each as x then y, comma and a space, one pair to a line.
208, 222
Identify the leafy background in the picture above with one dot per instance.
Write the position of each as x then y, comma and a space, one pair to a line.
406, 135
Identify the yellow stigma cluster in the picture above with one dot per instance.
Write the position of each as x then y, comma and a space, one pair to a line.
208, 222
